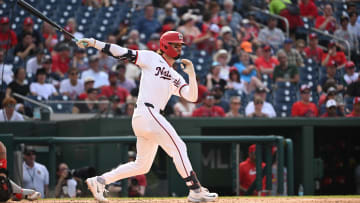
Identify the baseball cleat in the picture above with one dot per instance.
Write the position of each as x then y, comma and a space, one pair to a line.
33, 196
203, 196
96, 188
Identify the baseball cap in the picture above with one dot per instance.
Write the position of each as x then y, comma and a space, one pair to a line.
266, 47
304, 87
313, 36
131, 154
29, 150
4, 20
331, 89
93, 58
260, 90
330, 103
252, 148
331, 44
288, 41
342, 18
356, 100
112, 73
246, 46
349, 64
214, 28
225, 29
188, 16
89, 79
245, 21
46, 59
28, 21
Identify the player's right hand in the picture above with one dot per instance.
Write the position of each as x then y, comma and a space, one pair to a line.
86, 42
189, 67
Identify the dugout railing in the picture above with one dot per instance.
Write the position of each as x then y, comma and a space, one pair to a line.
284, 146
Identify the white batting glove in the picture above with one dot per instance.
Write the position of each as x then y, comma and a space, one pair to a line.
86, 42
189, 67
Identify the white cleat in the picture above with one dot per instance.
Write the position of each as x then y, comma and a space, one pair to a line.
34, 196
203, 196
96, 188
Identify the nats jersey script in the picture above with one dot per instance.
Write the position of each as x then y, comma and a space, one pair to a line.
158, 80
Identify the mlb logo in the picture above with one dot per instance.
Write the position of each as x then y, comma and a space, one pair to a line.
180, 36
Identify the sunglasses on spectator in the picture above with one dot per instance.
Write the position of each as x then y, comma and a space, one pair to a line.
30, 153
258, 102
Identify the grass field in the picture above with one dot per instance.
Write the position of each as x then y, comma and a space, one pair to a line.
307, 199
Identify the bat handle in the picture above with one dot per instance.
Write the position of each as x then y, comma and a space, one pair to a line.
84, 43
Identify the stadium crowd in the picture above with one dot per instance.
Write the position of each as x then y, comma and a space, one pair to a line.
247, 64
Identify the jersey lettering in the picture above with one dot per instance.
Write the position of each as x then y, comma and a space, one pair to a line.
164, 74
177, 82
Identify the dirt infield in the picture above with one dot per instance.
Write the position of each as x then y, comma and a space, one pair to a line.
221, 200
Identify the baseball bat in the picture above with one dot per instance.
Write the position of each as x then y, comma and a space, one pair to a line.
40, 15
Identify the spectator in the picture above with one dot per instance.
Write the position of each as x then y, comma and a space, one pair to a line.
354, 88
193, 6
6, 69
284, 71
61, 60
66, 41
8, 112
235, 105
133, 40
208, 40
51, 77
258, 106
304, 108
313, 51
35, 175
201, 90
28, 27
227, 41
18, 85
169, 15
345, 34
100, 77
308, 9
154, 42
66, 184
26, 48
79, 60
331, 107
218, 94
207, 109
71, 22
293, 56
188, 29
354, 26
8, 37
72, 86
247, 71
327, 21
106, 62
213, 78
250, 28
49, 34
281, 7
183, 108
350, 75
223, 58
121, 31
271, 34
34, 63
300, 46
267, 107
266, 63
123, 82
113, 89
330, 75
231, 17
90, 105
148, 24
247, 171
130, 107
235, 83
88, 84
356, 108
40, 88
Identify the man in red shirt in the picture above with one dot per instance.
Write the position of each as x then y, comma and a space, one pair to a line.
304, 108
327, 21
6, 34
334, 56
114, 90
313, 51
266, 63
247, 171
61, 60
308, 9
202, 90
356, 108
208, 109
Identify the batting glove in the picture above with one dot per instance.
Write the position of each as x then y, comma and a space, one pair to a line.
86, 42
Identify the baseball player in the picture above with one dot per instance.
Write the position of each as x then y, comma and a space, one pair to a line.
8, 188
158, 82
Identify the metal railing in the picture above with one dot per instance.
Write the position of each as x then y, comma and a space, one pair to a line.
34, 102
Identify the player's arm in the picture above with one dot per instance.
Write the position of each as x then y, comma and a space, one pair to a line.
113, 50
189, 92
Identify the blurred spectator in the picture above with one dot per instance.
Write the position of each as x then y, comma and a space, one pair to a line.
235, 82
8, 37
49, 34
34, 63
71, 22
130, 106
188, 29
266, 63
250, 28
223, 58
327, 21
133, 41
354, 26
208, 40
284, 71
227, 41
72, 86
106, 62
154, 42
26, 48
330, 75
121, 31
18, 85
247, 171
113, 89
79, 60
293, 56
343, 33
183, 108
148, 24
235, 105
354, 88
313, 51
304, 108
88, 84
207, 109
331, 107
300, 46
213, 78
40, 88
308, 9
28, 27
90, 105
8, 112
214, 9
124, 82
61, 60
218, 94
356, 108
51, 77
100, 77
201, 90
271, 34
35, 175
6, 69
195, 7
66, 41
258, 108
231, 17
350, 75
282, 8
267, 107
66, 184
329, 93
169, 15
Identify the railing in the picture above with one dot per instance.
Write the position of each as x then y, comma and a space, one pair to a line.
261, 141
34, 102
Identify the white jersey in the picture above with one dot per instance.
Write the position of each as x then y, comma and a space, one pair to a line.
158, 80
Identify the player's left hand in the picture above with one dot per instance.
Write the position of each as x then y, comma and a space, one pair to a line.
86, 42
189, 67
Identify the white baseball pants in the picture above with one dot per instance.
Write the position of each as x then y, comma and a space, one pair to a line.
152, 130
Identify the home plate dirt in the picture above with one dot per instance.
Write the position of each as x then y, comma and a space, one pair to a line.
221, 200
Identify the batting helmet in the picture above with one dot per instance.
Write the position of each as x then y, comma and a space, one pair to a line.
170, 37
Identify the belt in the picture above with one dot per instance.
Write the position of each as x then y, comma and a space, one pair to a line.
147, 104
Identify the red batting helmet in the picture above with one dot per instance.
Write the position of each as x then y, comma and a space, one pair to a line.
170, 37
